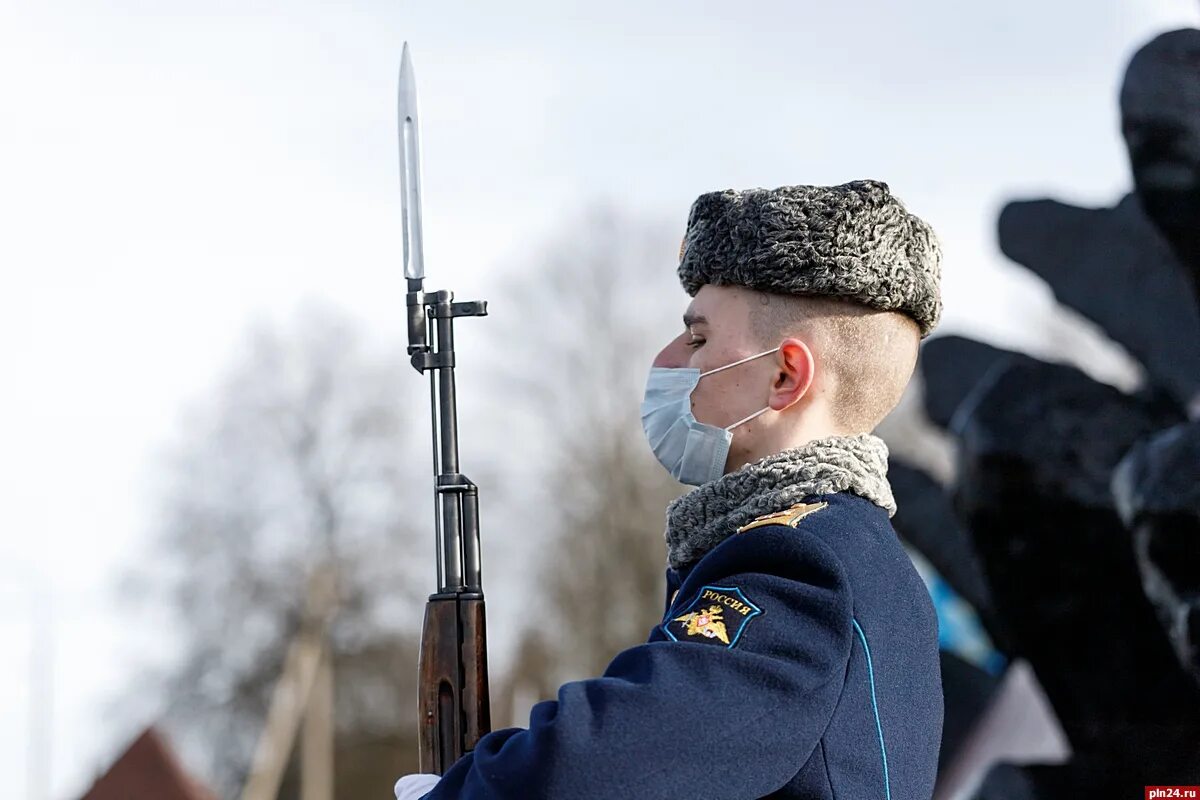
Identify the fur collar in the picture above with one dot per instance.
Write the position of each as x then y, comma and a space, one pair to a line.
703, 518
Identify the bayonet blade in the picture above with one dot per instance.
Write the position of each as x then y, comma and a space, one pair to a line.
410, 170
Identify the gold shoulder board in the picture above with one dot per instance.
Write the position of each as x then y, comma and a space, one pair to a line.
790, 517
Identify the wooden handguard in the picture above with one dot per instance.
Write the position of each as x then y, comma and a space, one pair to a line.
454, 707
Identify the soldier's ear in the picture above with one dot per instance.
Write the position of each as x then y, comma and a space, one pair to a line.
796, 368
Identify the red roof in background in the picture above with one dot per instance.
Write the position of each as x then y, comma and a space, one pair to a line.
148, 769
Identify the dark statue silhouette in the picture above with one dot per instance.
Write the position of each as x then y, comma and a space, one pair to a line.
1076, 507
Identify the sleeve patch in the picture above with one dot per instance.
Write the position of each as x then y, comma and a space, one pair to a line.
719, 615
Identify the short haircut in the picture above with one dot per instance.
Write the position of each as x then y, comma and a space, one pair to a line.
867, 356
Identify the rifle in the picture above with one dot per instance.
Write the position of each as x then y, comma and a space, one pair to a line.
453, 704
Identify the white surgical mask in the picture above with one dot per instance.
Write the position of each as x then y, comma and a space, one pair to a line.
694, 453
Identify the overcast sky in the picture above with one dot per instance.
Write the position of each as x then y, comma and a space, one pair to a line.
171, 170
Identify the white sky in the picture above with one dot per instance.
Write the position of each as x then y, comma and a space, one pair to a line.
170, 170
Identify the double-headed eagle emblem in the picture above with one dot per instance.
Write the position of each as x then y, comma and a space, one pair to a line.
705, 623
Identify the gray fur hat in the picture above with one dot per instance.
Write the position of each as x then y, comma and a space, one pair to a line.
854, 241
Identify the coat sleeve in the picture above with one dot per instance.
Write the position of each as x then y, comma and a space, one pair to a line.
693, 717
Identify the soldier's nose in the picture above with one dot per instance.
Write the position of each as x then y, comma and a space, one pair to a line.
671, 356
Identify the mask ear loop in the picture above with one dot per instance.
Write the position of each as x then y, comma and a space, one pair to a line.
747, 419
741, 361
734, 364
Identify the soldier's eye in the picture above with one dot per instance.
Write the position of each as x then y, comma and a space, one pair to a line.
695, 343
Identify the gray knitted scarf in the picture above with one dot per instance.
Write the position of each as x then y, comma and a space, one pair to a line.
704, 517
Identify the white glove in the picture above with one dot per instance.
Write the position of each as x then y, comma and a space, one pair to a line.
414, 787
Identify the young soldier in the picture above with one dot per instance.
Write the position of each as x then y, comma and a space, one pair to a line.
797, 655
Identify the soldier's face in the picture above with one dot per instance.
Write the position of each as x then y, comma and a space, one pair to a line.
1164, 153
1160, 101
716, 332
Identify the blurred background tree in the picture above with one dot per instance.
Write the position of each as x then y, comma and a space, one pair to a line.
293, 461
585, 484
303, 455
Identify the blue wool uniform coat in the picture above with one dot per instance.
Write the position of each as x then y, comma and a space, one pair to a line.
792, 662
